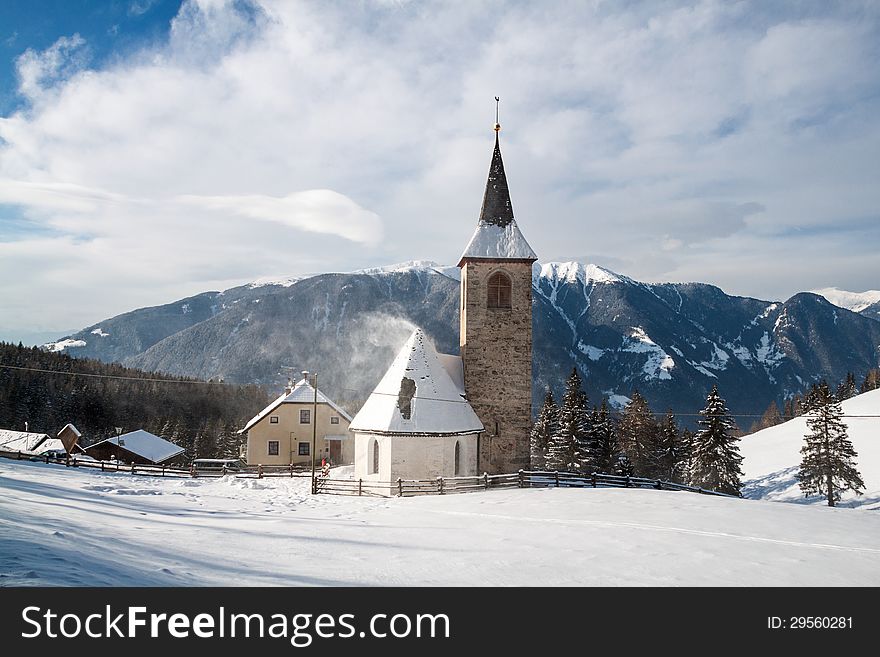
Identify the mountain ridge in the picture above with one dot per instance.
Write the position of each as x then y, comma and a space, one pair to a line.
671, 341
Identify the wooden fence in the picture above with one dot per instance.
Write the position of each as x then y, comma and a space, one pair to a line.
521, 479
103, 466
399, 488
254, 471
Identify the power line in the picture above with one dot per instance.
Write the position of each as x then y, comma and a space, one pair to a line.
388, 394
115, 376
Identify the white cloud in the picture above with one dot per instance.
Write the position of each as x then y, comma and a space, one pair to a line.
38, 69
314, 210
678, 141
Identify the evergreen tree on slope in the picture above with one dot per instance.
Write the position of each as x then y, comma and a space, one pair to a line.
828, 457
569, 448
544, 429
848, 388
606, 451
671, 457
716, 459
636, 433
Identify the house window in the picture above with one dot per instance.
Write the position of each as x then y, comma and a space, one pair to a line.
457, 458
499, 290
305, 416
334, 420
303, 449
273, 448
273, 419
375, 468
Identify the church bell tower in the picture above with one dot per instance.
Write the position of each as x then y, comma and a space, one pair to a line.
496, 327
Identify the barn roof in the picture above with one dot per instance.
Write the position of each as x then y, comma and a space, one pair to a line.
144, 444
21, 441
437, 405
302, 393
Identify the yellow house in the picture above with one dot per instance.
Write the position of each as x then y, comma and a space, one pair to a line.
281, 433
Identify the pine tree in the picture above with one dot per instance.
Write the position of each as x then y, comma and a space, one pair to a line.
716, 458
569, 449
813, 399
606, 450
687, 456
671, 457
544, 429
636, 433
624, 467
828, 464
871, 382
848, 388
770, 418
788, 409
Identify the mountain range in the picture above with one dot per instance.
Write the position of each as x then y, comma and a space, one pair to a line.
671, 341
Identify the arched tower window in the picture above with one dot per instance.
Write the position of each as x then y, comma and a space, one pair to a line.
457, 458
375, 468
499, 290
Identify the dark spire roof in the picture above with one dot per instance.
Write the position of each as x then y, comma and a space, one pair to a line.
496, 210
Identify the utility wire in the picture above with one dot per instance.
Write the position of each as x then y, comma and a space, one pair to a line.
116, 376
388, 394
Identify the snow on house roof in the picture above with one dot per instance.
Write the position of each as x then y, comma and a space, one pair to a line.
72, 428
302, 393
491, 242
50, 445
437, 405
21, 441
144, 444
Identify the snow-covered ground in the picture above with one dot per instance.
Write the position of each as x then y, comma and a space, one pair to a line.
771, 457
71, 526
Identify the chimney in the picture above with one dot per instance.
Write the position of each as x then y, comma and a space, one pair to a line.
289, 387
305, 374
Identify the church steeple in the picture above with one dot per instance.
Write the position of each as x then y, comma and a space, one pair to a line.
497, 236
496, 210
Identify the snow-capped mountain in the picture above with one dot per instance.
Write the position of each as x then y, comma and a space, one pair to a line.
671, 341
865, 303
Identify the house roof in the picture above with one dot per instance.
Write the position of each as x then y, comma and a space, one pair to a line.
302, 393
144, 444
21, 441
50, 445
497, 236
72, 428
438, 406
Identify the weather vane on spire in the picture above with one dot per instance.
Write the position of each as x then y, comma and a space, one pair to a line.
497, 125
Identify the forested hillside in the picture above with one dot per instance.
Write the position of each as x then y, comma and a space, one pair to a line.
47, 390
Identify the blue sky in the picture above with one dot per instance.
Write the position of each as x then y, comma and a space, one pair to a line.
151, 150
111, 28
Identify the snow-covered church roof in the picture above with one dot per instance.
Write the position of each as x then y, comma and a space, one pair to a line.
418, 395
302, 392
497, 236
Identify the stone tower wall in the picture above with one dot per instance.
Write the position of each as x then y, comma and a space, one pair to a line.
496, 348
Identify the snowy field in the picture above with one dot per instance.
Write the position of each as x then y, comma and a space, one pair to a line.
771, 457
66, 526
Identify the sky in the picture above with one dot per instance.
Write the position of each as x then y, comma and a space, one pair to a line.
154, 149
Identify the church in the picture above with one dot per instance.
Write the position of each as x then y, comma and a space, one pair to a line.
437, 414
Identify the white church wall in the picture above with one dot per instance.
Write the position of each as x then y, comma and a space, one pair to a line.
414, 457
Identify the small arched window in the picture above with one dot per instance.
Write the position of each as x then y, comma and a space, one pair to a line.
375, 468
457, 458
499, 290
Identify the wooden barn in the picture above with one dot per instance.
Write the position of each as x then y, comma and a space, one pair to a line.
138, 446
